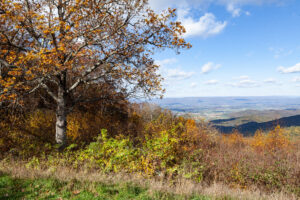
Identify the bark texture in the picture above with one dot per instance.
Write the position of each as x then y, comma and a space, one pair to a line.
61, 114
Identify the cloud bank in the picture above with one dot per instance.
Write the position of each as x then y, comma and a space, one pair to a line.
288, 70
244, 82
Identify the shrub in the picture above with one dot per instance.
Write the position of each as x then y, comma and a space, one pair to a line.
156, 143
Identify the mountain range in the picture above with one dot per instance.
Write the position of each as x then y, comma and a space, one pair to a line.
245, 114
249, 129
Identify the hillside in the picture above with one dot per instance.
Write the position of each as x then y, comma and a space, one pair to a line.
248, 129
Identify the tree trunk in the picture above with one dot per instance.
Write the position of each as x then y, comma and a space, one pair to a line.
61, 117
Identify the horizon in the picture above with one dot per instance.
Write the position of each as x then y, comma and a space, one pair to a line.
240, 48
229, 96
170, 97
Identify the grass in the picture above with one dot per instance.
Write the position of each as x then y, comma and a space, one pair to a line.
20, 182
42, 188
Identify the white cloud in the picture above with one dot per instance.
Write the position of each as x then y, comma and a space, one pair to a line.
244, 82
173, 73
287, 70
236, 12
232, 6
235, 6
205, 26
241, 77
177, 74
159, 5
247, 13
167, 61
193, 85
296, 79
208, 67
270, 80
211, 82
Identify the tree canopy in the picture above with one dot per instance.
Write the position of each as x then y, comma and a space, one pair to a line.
64, 47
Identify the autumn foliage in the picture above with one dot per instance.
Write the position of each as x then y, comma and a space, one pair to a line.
61, 50
67, 72
155, 143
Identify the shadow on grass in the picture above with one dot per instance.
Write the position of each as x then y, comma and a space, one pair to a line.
10, 188
13, 189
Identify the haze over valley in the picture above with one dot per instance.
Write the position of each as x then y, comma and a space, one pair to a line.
246, 114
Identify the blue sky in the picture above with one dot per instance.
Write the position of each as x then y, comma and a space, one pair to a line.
240, 48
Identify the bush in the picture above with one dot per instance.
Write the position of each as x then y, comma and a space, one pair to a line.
155, 143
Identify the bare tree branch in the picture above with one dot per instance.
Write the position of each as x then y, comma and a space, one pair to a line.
49, 92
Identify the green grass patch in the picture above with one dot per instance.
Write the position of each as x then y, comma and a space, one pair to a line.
13, 188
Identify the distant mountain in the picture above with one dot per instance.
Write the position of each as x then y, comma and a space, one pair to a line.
218, 121
211, 108
246, 114
248, 129
256, 103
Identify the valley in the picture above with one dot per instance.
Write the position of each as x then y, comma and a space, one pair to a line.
245, 114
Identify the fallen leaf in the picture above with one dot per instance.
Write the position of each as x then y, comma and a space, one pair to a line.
75, 192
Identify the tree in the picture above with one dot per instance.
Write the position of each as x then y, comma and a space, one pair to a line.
64, 47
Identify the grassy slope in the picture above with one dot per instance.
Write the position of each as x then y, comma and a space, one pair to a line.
11, 188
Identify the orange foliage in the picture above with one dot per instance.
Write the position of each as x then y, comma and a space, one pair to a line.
258, 141
154, 142
41, 41
234, 139
275, 139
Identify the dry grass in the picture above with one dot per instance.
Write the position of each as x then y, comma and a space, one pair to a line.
183, 187
266, 166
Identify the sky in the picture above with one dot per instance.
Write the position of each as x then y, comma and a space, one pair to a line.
240, 48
